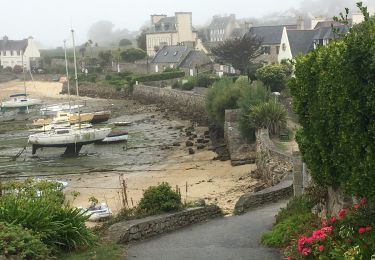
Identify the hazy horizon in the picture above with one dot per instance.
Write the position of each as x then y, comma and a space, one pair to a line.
50, 23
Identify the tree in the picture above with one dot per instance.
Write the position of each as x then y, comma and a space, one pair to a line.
125, 43
238, 52
141, 40
274, 76
105, 58
133, 54
333, 94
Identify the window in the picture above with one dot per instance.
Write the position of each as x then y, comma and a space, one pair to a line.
175, 53
266, 50
277, 49
18, 53
165, 53
283, 47
11, 53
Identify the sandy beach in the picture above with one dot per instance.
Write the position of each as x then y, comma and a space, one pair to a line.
197, 176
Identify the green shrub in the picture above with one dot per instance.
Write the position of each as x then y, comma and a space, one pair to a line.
251, 96
296, 205
188, 86
275, 76
160, 198
159, 76
283, 233
221, 96
18, 242
204, 80
133, 54
333, 95
169, 69
176, 85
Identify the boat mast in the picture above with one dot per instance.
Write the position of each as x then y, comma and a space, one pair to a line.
67, 75
76, 77
24, 75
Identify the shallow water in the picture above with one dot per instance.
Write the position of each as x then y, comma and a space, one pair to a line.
148, 133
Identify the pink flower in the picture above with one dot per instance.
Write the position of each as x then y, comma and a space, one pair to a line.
310, 240
327, 230
301, 242
356, 206
321, 248
363, 201
361, 230
342, 213
368, 229
333, 219
306, 251
319, 234
289, 258
349, 241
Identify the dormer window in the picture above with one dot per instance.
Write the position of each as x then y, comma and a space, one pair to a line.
165, 53
175, 53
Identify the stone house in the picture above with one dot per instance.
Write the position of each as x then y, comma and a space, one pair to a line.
16, 52
271, 37
183, 57
169, 31
222, 27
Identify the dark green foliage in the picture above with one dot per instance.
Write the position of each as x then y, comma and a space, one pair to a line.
160, 198
39, 207
221, 96
105, 58
125, 42
176, 85
101, 251
205, 80
188, 85
275, 76
141, 40
239, 52
159, 76
169, 69
82, 77
17, 69
296, 205
18, 242
133, 54
334, 97
252, 95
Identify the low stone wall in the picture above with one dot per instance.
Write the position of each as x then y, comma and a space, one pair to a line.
187, 104
283, 190
241, 152
127, 231
272, 163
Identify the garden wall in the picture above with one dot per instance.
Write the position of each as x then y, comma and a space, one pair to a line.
240, 151
127, 231
272, 163
187, 104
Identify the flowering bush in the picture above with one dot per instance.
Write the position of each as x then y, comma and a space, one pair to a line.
350, 236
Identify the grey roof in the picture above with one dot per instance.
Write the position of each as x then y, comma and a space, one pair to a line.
327, 32
171, 54
269, 34
13, 45
330, 23
194, 58
220, 22
301, 41
238, 32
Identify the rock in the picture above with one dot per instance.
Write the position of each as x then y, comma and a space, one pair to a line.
176, 144
200, 146
191, 138
153, 116
170, 127
191, 151
189, 143
199, 203
200, 141
194, 136
188, 133
205, 141
207, 132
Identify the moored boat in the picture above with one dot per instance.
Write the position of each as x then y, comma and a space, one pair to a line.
20, 101
115, 137
97, 212
101, 116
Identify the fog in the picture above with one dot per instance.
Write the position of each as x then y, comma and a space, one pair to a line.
49, 22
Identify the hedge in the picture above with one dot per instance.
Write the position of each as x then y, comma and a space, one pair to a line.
160, 76
334, 95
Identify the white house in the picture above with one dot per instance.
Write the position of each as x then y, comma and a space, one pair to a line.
14, 52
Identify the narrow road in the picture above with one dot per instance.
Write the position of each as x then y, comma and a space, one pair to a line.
236, 237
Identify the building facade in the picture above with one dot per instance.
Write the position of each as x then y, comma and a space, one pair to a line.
18, 52
222, 27
166, 31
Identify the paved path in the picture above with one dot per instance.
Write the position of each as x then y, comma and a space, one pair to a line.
234, 237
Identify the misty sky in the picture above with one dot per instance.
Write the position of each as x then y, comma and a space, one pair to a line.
49, 21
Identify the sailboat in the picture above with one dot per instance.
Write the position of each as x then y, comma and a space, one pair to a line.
20, 100
72, 138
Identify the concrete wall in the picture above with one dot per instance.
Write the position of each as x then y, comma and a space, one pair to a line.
187, 104
272, 163
240, 150
133, 230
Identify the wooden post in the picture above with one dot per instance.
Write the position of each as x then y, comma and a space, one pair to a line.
186, 191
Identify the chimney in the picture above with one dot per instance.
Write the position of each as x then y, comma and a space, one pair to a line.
300, 23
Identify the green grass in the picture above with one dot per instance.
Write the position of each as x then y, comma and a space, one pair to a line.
101, 251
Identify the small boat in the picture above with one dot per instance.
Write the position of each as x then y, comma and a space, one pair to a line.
54, 109
122, 123
115, 137
71, 138
97, 213
20, 101
53, 126
101, 116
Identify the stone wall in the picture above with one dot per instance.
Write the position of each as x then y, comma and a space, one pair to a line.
187, 104
283, 190
127, 231
240, 150
272, 163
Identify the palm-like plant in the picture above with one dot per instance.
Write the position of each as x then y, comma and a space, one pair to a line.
270, 115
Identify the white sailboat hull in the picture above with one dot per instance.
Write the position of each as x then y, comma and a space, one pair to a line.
27, 102
54, 109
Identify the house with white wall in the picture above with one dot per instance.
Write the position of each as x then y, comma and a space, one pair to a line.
166, 31
16, 52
